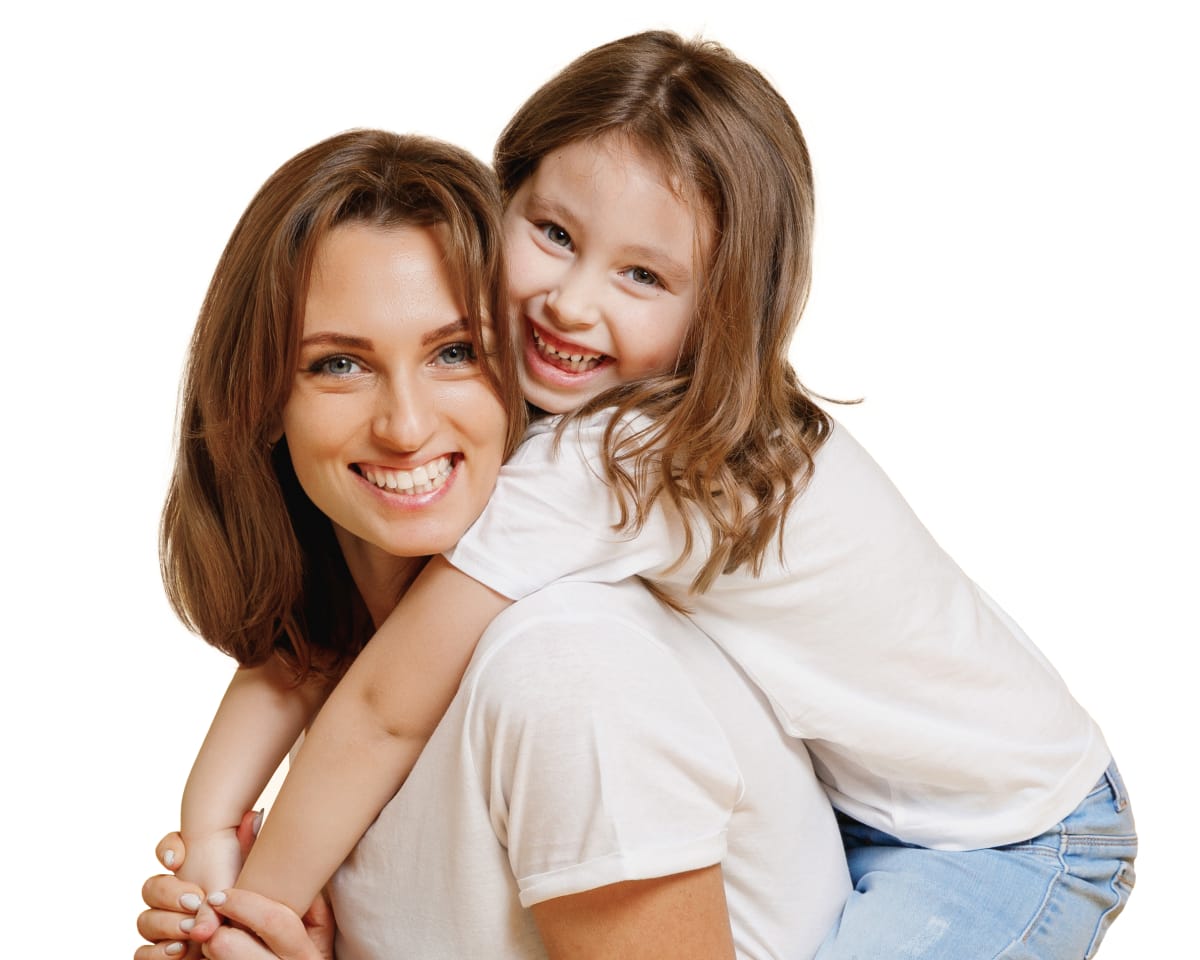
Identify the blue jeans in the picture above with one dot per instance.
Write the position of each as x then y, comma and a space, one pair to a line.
1049, 898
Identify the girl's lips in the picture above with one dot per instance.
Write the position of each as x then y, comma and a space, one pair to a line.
423, 479
566, 356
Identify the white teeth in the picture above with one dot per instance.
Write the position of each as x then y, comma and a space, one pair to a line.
420, 479
575, 362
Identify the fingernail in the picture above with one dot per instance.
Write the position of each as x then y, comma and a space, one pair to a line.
173, 949
258, 817
186, 924
190, 901
216, 899
169, 859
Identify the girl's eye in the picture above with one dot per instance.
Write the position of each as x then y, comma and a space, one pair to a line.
556, 234
456, 354
339, 366
642, 276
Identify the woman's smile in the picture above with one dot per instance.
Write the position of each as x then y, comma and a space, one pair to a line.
423, 479
393, 431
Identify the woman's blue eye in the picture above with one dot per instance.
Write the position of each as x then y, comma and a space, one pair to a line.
457, 354
338, 366
556, 234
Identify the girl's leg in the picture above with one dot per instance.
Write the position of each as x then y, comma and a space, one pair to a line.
1049, 898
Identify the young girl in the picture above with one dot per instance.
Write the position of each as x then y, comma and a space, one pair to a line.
658, 228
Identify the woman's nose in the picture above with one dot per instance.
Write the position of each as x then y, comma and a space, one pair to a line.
406, 415
573, 303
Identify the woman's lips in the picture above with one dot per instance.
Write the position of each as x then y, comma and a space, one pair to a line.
423, 479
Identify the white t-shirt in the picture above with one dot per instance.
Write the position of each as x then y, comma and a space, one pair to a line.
928, 713
596, 737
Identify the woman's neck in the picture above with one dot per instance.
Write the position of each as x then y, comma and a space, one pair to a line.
381, 578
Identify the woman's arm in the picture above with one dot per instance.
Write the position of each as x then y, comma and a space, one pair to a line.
680, 916
259, 719
369, 734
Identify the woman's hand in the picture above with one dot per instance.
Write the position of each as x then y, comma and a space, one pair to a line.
272, 931
275, 931
172, 902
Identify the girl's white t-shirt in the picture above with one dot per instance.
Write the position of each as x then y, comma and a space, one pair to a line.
928, 712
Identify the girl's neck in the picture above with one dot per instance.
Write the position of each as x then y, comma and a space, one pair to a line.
381, 578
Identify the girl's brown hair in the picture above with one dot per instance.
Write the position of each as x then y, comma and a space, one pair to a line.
732, 420
247, 560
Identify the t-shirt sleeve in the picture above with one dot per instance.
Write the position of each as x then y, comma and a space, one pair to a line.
553, 517
600, 762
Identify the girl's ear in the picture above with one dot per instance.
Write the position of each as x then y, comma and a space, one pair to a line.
275, 431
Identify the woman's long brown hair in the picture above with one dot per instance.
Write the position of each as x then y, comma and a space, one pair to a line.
732, 431
247, 560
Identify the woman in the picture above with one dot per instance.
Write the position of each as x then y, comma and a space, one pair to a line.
604, 776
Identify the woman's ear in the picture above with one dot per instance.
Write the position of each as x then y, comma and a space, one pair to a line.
275, 431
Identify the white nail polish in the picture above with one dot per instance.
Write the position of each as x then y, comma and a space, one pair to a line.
190, 901
169, 859
186, 924
216, 899
173, 949
258, 818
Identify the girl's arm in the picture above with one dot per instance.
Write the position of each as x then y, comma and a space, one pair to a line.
369, 734
260, 717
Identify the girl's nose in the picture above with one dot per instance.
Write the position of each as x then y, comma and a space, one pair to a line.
406, 416
574, 302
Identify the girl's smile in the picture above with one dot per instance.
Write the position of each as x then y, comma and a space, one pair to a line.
601, 253
393, 432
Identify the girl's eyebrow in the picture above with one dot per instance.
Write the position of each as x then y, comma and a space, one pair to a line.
549, 207
662, 263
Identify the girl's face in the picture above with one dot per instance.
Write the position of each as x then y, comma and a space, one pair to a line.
393, 431
601, 259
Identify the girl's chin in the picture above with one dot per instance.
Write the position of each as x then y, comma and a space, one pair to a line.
558, 394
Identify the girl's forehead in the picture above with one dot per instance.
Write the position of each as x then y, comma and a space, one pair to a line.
583, 161
674, 170
624, 147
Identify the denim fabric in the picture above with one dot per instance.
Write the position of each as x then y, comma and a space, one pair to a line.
1049, 898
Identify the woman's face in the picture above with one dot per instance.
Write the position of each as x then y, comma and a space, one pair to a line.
393, 431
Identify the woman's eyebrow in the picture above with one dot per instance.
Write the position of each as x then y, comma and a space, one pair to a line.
337, 340
446, 330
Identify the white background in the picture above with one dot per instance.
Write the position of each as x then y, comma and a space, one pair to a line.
1006, 271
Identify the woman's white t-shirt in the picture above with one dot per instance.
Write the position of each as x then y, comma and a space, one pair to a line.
596, 737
